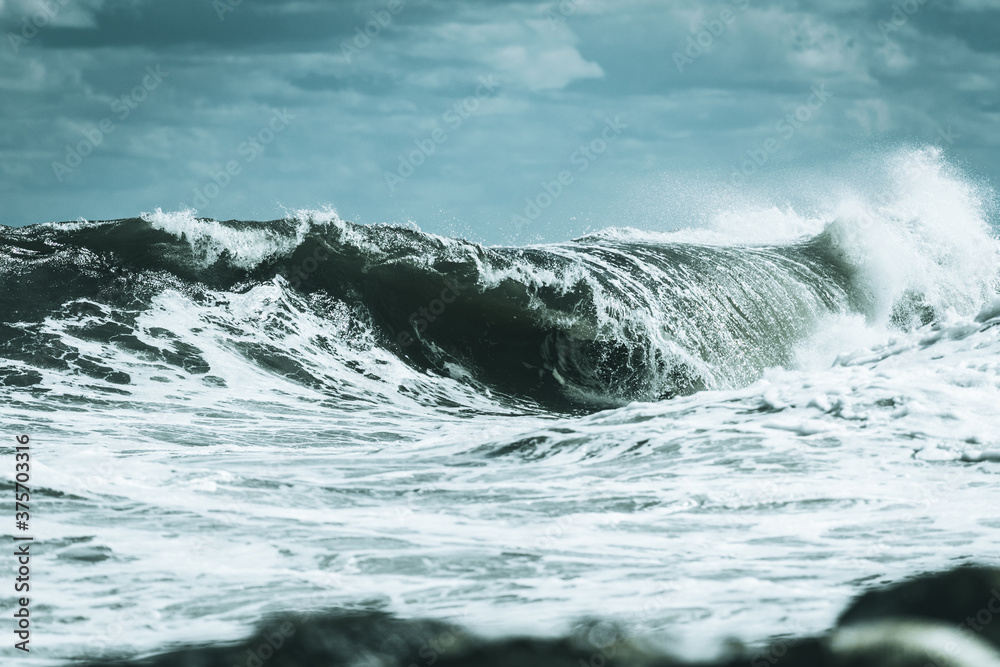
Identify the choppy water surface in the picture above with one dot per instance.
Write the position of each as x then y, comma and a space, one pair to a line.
698, 437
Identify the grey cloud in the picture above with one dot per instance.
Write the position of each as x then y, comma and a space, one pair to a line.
561, 78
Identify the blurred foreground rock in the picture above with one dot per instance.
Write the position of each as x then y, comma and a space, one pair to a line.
950, 619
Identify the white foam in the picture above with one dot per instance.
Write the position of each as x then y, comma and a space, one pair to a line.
749, 225
927, 235
720, 514
210, 239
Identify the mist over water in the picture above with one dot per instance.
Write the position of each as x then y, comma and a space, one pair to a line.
702, 433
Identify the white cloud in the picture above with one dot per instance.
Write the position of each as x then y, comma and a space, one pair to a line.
974, 82
977, 5
896, 59
527, 54
544, 69
43, 13
872, 115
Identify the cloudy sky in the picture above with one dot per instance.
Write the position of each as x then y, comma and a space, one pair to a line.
459, 116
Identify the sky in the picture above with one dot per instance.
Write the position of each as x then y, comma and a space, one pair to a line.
503, 122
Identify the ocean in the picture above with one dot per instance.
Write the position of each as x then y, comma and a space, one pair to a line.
718, 433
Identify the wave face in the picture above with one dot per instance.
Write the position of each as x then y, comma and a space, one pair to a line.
605, 319
596, 320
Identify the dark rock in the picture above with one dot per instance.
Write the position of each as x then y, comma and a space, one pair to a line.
967, 598
923, 622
